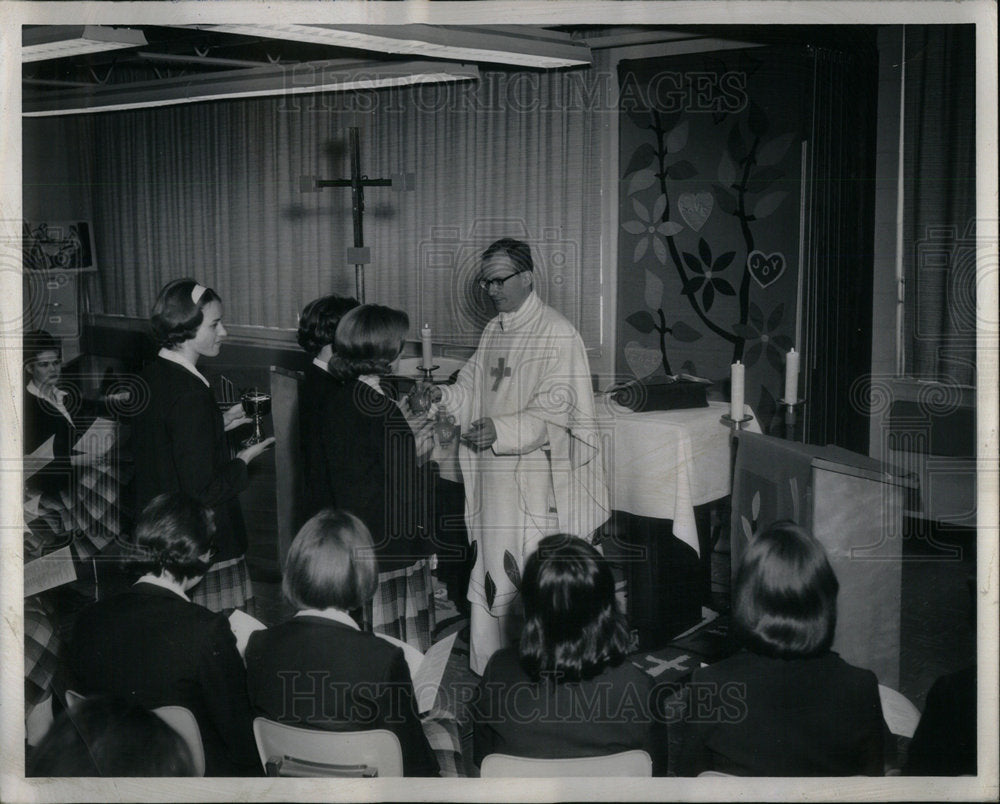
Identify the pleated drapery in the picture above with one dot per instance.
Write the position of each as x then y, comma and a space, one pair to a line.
212, 190
939, 197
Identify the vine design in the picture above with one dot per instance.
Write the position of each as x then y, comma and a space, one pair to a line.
747, 173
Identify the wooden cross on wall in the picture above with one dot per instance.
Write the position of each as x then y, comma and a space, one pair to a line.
359, 254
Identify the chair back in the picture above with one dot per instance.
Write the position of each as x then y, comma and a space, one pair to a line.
626, 763
179, 718
289, 482
294, 751
182, 720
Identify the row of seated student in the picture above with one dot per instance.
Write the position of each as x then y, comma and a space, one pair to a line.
784, 706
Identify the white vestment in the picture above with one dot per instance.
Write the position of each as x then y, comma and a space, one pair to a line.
544, 472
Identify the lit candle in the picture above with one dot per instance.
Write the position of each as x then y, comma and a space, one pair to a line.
792, 377
427, 352
736, 393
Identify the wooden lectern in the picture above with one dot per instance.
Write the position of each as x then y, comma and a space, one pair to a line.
854, 507
289, 482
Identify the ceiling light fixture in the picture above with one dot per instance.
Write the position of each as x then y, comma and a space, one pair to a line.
40, 42
272, 80
520, 46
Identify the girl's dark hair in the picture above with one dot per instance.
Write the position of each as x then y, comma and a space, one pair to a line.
173, 532
319, 319
105, 736
368, 339
36, 342
175, 317
573, 628
785, 594
331, 563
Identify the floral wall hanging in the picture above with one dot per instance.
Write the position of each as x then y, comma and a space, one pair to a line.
710, 189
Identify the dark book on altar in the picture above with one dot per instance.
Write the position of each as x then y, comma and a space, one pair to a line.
711, 642
665, 393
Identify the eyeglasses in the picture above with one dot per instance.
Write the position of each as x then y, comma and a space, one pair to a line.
496, 284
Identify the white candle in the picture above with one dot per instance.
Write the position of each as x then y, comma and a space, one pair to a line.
427, 352
792, 376
736, 392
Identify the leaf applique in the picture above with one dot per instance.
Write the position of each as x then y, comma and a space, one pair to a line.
755, 506
491, 591
642, 321
511, 568
641, 158
473, 553
747, 530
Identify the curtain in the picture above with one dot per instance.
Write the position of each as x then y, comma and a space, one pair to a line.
939, 159
212, 190
840, 242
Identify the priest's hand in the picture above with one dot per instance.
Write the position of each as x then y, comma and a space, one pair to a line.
235, 417
481, 434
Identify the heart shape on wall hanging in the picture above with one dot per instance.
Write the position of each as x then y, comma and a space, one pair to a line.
695, 209
765, 268
641, 360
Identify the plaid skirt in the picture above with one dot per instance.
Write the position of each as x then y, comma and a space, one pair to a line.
225, 587
41, 650
403, 606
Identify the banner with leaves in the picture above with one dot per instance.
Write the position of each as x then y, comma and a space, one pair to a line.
710, 188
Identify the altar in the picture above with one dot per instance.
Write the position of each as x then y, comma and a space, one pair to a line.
665, 469
661, 464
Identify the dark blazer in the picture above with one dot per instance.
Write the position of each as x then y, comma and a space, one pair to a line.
42, 421
180, 444
314, 408
752, 715
613, 712
152, 647
370, 466
316, 673
944, 743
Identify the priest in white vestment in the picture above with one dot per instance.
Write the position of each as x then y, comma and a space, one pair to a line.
530, 452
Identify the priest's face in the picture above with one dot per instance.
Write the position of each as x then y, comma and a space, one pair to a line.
506, 287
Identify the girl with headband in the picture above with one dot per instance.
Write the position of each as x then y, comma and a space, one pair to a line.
180, 439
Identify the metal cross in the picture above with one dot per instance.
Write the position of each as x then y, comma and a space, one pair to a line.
360, 255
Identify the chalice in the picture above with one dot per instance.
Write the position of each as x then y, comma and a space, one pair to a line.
256, 405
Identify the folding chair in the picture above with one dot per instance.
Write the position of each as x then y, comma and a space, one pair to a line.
293, 751
626, 763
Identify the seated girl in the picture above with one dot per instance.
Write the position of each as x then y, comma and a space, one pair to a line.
318, 670
152, 646
567, 689
786, 705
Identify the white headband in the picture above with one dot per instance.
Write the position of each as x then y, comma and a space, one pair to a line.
196, 292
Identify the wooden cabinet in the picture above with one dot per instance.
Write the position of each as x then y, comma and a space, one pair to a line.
51, 302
